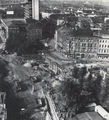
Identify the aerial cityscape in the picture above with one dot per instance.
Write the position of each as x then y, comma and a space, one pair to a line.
54, 59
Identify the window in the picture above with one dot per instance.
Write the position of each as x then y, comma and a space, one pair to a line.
83, 44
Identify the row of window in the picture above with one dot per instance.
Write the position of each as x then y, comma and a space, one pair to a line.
104, 50
87, 40
106, 57
104, 46
84, 45
104, 41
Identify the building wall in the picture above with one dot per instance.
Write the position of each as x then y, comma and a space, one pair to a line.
62, 44
103, 50
82, 47
34, 31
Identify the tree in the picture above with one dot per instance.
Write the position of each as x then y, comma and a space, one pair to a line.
79, 94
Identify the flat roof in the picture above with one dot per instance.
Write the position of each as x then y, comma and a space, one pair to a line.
8, 22
105, 36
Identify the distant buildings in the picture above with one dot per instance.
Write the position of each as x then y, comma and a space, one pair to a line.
5, 3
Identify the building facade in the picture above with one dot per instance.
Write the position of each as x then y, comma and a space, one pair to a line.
84, 47
75, 46
103, 49
20, 33
12, 33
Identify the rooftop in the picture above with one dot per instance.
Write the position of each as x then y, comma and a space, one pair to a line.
9, 22
88, 116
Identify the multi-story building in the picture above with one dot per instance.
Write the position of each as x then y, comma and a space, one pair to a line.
11, 32
75, 46
103, 49
10, 25
69, 48
17, 32
32, 9
84, 47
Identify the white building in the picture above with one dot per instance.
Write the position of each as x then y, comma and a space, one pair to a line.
102, 112
32, 9
35, 9
103, 49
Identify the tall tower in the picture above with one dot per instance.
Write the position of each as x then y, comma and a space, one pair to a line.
35, 9
32, 9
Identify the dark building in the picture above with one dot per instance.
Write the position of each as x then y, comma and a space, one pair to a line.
34, 30
48, 28
19, 34
13, 33
14, 11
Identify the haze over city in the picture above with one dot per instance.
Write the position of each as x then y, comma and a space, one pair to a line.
104, 2
54, 60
